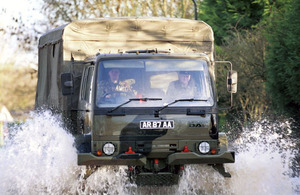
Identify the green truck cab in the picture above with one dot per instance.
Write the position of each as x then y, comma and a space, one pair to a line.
154, 110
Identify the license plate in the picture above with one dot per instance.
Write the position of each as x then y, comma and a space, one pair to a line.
162, 124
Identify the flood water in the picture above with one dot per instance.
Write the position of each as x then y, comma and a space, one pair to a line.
40, 159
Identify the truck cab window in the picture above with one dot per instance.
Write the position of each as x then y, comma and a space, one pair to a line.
120, 80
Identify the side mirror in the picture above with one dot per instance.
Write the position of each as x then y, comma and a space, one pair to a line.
232, 78
67, 84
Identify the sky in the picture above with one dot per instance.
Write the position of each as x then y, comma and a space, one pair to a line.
29, 10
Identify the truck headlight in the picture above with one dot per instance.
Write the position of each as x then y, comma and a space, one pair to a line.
108, 149
204, 147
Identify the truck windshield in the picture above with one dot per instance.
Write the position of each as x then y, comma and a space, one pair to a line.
164, 80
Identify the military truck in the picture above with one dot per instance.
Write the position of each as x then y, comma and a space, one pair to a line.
139, 92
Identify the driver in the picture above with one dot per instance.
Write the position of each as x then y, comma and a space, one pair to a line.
110, 88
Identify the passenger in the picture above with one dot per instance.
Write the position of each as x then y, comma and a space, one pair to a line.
113, 87
184, 87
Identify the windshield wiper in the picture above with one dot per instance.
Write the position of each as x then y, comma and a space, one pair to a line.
156, 112
134, 99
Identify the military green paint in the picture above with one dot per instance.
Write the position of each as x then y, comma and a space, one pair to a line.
77, 43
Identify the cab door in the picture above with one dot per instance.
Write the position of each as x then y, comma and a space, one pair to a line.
85, 100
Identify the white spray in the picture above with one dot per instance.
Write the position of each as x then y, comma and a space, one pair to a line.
38, 157
41, 159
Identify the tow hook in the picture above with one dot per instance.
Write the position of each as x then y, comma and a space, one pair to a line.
221, 169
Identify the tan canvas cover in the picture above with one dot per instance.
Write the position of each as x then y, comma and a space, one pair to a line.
84, 38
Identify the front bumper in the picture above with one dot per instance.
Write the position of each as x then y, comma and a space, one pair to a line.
194, 158
178, 158
128, 159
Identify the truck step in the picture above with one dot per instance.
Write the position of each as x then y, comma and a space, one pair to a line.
159, 179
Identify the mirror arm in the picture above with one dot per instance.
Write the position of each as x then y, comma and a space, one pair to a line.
231, 100
225, 62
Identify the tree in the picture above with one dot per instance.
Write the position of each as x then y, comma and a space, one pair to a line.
66, 11
227, 16
238, 27
58, 12
246, 52
283, 59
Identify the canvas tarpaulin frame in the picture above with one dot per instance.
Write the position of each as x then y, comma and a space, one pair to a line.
84, 38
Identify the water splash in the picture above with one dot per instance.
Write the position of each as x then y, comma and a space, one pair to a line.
264, 159
264, 154
39, 153
41, 159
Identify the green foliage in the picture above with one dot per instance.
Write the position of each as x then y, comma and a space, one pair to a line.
283, 59
240, 38
227, 16
246, 52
